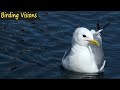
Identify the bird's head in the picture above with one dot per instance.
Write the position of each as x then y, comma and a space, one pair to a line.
83, 37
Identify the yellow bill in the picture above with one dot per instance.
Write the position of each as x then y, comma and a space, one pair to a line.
94, 42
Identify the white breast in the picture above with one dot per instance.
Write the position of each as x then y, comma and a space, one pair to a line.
80, 61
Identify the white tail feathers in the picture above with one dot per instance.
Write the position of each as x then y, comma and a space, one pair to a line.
99, 31
96, 33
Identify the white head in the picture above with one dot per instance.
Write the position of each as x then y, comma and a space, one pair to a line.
83, 37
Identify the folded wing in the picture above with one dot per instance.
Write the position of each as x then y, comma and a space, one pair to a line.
98, 51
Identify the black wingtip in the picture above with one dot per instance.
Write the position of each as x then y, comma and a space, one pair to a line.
98, 26
105, 25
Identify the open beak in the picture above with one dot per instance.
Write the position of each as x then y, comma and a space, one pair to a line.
94, 42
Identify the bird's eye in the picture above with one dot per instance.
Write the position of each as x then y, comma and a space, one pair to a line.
84, 35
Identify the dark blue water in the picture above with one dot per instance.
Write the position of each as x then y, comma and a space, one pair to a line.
31, 49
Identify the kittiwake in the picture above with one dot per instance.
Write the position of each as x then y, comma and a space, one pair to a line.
86, 54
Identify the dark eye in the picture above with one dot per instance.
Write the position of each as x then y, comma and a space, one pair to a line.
84, 35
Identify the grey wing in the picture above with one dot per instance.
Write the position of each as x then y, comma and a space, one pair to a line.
66, 54
98, 52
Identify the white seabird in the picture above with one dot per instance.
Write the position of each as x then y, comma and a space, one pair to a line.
86, 54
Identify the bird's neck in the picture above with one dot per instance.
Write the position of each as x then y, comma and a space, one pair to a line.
77, 47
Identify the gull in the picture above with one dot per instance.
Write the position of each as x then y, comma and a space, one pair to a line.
86, 54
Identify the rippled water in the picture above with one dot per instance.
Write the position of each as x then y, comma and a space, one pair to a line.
34, 48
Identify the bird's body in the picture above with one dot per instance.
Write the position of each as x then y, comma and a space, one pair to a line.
84, 57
